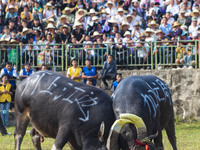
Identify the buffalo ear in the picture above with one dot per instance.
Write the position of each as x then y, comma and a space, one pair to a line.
101, 131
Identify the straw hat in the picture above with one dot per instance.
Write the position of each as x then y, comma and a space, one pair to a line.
12, 41
109, 2
62, 17
127, 33
25, 30
4, 40
149, 30
51, 20
113, 20
48, 5
182, 11
95, 18
83, 10
92, 11
78, 17
124, 23
176, 24
194, 11
137, 24
50, 26
134, 1
159, 31
121, 10
11, 7
165, 41
129, 15
77, 23
153, 22
66, 9
96, 33
183, 26
143, 34
103, 11
65, 26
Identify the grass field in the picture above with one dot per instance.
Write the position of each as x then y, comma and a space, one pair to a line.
188, 138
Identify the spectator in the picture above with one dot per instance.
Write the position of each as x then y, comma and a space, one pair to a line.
180, 50
137, 31
44, 67
37, 11
116, 82
7, 34
5, 99
187, 11
3, 129
89, 73
108, 71
68, 12
25, 35
26, 71
49, 12
166, 28
65, 35
173, 9
195, 13
12, 74
111, 9
177, 31
13, 52
130, 20
170, 19
3, 51
183, 19
193, 28
25, 14
120, 15
11, 14
188, 55
62, 21
74, 72
78, 32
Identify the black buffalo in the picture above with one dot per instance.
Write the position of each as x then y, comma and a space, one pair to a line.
63, 109
148, 98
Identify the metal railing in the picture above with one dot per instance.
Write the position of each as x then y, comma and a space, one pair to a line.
151, 55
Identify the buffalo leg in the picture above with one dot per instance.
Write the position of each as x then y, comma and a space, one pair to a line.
61, 138
35, 139
170, 130
158, 140
21, 124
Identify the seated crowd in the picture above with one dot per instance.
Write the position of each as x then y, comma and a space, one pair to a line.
129, 27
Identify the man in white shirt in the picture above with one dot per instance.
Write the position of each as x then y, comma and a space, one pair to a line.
193, 28
111, 9
173, 8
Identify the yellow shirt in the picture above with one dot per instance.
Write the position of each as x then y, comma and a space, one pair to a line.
75, 73
5, 96
23, 16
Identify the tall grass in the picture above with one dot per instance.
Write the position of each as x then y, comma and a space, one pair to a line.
188, 138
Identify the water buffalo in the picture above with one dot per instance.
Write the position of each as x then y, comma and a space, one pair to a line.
63, 109
148, 98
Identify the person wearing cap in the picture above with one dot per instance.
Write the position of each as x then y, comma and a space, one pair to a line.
149, 34
5, 98
165, 27
74, 72
37, 11
26, 71
177, 31
111, 9
13, 3
196, 13
49, 12
25, 34
173, 8
127, 38
78, 32
183, 19
137, 31
65, 35
11, 14
25, 13
160, 35
123, 28
120, 15
91, 13
193, 28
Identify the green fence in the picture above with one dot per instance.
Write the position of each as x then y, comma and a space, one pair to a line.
147, 55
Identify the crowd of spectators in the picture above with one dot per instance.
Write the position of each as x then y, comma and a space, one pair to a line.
125, 23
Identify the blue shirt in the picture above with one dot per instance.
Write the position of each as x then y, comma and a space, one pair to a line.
166, 29
90, 72
9, 15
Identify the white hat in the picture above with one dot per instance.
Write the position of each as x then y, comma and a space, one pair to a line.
48, 5
109, 2
149, 30
124, 23
194, 11
77, 23
12, 7
92, 11
127, 33
51, 20
129, 15
95, 18
50, 26
134, 1
26, 29
13, 41
83, 10
4, 40
113, 20
66, 9
65, 26
63, 16
96, 33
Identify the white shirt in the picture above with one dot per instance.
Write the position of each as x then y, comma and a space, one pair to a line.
21, 72
120, 18
173, 9
193, 30
112, 11
137, 34
171, 20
